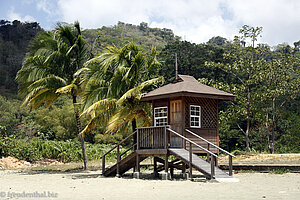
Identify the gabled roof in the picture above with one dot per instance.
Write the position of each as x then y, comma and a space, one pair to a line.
187, 86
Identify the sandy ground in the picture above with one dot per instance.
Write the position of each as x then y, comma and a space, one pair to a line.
291, 158
89, 185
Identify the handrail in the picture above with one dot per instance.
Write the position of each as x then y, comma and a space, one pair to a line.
129, 136
167, 126
210, 143
192, 142
132, 147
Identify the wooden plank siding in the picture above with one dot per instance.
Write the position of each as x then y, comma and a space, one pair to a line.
209, 119
208, 134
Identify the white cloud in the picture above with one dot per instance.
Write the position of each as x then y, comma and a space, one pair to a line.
44, 5
195, 20
12, 15
279, 18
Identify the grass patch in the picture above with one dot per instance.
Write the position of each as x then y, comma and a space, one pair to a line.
65, 167
280, 171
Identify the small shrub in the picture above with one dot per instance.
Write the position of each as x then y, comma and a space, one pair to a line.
32, 149
280, 171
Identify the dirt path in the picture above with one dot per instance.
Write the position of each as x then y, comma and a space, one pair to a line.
91, 186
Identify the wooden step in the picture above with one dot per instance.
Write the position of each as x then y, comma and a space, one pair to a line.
198, 163
125, 164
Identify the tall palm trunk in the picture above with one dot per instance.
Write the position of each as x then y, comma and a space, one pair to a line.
79, 130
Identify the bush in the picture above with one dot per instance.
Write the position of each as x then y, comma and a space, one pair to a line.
32, 149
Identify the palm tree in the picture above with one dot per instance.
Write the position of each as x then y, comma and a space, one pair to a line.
114, 87
49, 70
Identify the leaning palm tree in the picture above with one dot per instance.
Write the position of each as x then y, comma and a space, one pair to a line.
114, 83
49, 70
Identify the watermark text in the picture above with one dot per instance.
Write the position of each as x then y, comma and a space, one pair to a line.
44, 194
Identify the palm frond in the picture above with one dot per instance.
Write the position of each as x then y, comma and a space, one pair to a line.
66, 89
137, 91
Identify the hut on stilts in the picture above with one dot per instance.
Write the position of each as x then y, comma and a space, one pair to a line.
185, 125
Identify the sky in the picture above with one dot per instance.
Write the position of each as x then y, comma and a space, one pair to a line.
193, 20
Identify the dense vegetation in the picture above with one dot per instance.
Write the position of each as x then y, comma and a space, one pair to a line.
108, 81
123, 33
14, 40
33, 149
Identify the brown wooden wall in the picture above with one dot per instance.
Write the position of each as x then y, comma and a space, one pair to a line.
160, 103
209, 111
209, 119
209, 134
209, 122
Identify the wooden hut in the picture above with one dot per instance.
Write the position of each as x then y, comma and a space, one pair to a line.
185, 123
188, 104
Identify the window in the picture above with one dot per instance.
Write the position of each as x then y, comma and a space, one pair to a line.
195, 114
160, 116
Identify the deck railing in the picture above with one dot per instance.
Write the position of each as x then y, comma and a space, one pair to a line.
213, 157
154, 137
158, 137
212, 144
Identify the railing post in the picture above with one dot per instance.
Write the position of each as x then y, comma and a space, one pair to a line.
118, 161
207, 154
137, 140
155, 167
136, 174
190, 161
230, 165
166, 138
137, 163
212, 167
103, 165
166, 163
153, 139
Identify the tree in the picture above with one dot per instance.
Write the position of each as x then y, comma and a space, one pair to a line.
49, 70
249, 32
114, 86
219, 41
14, 41
244, 65
280, 78
191, 60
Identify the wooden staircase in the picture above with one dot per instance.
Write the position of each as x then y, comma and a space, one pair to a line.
198, 163
125, 164
154, 141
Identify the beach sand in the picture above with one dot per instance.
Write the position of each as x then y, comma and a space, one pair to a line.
90, 185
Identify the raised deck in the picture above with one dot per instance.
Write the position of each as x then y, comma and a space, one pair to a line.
156, 141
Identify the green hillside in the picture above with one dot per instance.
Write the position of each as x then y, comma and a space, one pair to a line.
123, 33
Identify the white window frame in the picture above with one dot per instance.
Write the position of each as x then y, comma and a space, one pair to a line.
164, 117
195, 116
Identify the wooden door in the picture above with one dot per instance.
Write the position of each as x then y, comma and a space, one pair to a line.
176, 122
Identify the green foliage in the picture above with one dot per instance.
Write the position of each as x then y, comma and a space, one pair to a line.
191, 60
14, 41
122, 33
114, 82
57, 121
264, 73
108, 139
11, 114
32, 149
287, 137
262, 85
280, 171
